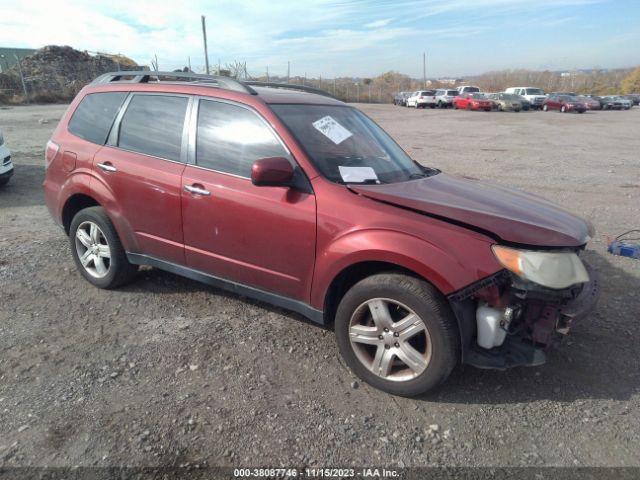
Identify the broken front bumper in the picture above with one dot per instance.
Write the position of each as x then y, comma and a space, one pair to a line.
541, 316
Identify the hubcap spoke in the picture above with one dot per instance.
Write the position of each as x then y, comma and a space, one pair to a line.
411, 357
406, 322
382, 361
366, 335
86, 258
380, 313
101, 268
104, 251
412, 330
83, 237
94, 233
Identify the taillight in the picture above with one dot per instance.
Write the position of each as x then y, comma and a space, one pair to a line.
50, 152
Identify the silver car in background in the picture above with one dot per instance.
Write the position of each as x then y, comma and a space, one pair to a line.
444, 97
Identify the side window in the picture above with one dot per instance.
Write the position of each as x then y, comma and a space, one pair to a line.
230, 138
153, 125
94, 116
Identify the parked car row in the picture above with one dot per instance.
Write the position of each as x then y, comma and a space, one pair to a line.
513, 99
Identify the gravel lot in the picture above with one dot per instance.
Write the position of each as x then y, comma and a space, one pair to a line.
171, 372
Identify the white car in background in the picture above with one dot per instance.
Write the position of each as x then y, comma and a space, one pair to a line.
535, 96
6, 167
422, 99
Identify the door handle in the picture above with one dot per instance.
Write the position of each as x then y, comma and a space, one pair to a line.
197, 190
107, 167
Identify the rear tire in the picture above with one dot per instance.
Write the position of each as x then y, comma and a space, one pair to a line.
413, 311
97, 250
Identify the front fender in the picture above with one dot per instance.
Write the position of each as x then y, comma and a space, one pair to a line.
464, 260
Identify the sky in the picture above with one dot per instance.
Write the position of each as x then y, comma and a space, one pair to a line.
330, 38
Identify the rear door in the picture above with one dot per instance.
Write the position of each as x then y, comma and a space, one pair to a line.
258, 236
141, 167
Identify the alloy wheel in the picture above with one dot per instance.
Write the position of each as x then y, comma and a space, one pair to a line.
93, 249
390, 339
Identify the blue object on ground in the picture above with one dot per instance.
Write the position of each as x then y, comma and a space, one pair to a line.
625, 246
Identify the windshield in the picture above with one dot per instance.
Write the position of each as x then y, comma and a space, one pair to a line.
534, 91
346, 146
452, 93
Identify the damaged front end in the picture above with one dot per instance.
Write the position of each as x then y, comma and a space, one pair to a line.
507, 320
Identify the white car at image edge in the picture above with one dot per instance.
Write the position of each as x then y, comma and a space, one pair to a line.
6, 167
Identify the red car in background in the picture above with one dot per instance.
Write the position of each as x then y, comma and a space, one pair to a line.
590, 103
473, 101
564, 103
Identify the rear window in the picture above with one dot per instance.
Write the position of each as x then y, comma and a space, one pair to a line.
94, 116
153, 125
534, 91
453, 93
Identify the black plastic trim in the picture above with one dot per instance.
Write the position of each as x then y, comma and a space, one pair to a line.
287, 303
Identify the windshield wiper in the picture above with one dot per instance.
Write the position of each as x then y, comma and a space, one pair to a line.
367, 181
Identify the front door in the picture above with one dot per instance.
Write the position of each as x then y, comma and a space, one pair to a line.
258, 236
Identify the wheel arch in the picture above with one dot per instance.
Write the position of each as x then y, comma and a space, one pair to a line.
352, 274
73, 205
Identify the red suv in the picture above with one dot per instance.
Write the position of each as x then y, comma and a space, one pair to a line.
299, 200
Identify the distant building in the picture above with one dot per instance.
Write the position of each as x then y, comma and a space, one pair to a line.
450, 81
8, 56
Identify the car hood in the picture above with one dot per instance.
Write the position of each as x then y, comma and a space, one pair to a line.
508, 214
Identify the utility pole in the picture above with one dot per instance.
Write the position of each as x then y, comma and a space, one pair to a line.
206, 50
189, 62
288, 71
24, 85
267, 73
424, 69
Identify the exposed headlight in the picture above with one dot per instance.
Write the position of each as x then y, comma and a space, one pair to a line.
555, 270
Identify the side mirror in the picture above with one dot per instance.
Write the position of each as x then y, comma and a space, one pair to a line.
272, 172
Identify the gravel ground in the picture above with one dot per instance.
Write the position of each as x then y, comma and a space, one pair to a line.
171, 372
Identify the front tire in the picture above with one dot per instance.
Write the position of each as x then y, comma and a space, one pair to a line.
397, 333
97, 250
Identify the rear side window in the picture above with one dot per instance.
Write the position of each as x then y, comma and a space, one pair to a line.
153, 125
94, 116
231, 138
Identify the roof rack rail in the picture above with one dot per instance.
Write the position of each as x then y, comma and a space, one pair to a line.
288, 86
228, 83
145, 76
